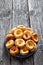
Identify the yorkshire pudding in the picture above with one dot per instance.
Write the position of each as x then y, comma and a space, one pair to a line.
14, 50
35, 37
22, 27
26, 35
18, 33
10, 43
9, 36
31, 45
12, 30
30, 30
19, 42
24, 51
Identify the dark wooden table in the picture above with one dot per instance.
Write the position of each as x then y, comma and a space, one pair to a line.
28, 13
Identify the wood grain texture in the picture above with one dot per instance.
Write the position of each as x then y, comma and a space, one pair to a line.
21, 17
36, 18
4, 57
16, 12
5, 19
5, 8
1, 38
38, 58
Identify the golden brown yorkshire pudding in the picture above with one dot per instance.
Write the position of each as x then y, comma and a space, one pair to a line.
12, 30
19, 42
24, 50
9, 36
35, 37
10, 43
30, 30
14, 50
22, 27
26, 35
18, 33
31, 45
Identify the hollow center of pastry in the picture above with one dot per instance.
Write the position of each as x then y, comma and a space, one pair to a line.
20, 41
24, 49
13, 48
10, 41
26, 35
35, 36
18, 32
30, 44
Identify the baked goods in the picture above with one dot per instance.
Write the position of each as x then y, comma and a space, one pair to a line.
21, 27
10, 43
24, 50
31, 45
35, 37
18, 33
26, 35
14, 50
21, 40
30, 30
12, 30
9, 36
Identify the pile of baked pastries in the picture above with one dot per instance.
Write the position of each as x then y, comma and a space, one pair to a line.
21, 40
